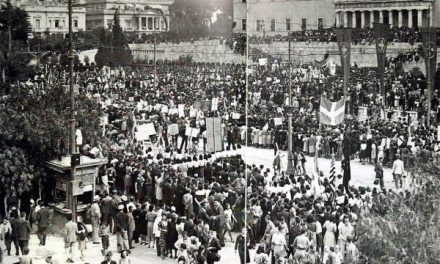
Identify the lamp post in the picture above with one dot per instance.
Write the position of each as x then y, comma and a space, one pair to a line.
72, 121
289, 110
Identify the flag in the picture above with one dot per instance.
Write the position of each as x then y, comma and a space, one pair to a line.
343, 36
331, 113
381, 38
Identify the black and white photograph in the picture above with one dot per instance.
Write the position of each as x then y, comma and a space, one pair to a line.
219, 131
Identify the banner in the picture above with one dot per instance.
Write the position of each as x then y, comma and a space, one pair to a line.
144, 131
214, 104
173, 129
214, 141
181, 109
429, 40
381, 39
278, 121
362, 113
331, 113
343, 35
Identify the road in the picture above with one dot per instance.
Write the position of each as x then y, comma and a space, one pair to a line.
361, 175
140, 255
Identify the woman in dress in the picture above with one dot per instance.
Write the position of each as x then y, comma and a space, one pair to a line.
163, 229
81, 238
330, 231
230, 220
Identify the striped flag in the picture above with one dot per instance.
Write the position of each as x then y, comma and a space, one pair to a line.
332, 169
331, 113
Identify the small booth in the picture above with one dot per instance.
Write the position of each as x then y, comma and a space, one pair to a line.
77, 190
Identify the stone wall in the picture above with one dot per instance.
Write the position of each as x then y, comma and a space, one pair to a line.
200, 51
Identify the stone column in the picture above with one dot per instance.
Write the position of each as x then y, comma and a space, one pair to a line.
371, 18
345, 19
419, 18
380, 16
353, 19
362, 19
410, 18
338, 19
400, 19
390, 18
139, 23
430, 17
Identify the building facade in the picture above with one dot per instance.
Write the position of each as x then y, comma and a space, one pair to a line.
137, 16
52, 16
397, 13
278, 17
240, 16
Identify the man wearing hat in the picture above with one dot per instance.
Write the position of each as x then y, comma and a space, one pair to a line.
95, 213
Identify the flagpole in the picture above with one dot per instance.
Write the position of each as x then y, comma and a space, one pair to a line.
290, 169
428, 75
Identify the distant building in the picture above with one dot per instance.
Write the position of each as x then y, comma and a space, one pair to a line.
278, 17
240, 16
138, 16
397, 13
47, 16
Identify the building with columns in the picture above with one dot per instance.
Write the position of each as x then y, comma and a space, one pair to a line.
137, 16
278, 17
396, 13
51, 17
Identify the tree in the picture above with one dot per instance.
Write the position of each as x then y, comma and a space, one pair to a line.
119, 53
405, 227
14, 31
33, 128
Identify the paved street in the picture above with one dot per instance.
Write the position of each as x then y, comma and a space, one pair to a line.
361, 175
141, 254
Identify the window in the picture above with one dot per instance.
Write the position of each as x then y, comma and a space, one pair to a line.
287, 24
162, 24
243, 1
57, 23
303, 24
144, 22
320, 24
150, 23
156, 23
258, 26
37, 23
75, 23
243, 24
272, 25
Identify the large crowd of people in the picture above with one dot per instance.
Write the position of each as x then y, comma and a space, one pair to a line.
360, 36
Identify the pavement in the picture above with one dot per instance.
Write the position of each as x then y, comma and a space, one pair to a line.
361, 175
140, 254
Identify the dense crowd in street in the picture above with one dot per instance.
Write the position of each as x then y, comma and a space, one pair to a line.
160, 190
360, 36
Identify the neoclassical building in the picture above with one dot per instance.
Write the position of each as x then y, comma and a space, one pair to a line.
138, 16
396, 13
50, 16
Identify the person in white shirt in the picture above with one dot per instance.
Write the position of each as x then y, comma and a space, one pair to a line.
398, 171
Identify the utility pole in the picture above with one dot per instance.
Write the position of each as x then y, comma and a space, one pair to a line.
289, 110
428, 75
72, 202
154, 54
